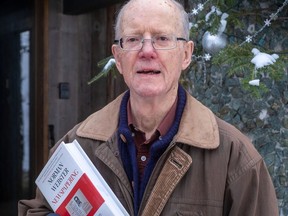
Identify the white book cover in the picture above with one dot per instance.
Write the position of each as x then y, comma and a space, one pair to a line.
73, 186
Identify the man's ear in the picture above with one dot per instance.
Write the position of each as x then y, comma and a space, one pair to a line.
188, 49
117, 56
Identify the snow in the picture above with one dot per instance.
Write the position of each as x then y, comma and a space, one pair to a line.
263, 114
25, 77
109, 64
262, 59
254, 82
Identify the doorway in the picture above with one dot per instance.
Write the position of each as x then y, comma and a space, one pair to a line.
15, 118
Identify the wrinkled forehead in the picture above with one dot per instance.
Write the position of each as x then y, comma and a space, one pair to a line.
150, 14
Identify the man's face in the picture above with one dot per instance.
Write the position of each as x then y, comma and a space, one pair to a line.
149, 72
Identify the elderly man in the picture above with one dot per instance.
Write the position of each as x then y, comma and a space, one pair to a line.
161, 151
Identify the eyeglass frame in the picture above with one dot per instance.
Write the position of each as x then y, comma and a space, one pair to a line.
120, 42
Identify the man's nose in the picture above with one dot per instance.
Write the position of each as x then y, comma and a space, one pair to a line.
147, 44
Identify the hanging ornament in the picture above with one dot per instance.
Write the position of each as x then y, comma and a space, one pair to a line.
251, 28
214, 43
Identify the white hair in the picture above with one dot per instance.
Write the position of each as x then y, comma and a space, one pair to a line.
184, 18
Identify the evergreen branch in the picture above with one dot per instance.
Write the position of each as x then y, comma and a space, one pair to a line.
108, 66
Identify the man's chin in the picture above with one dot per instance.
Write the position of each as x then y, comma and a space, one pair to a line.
149, 92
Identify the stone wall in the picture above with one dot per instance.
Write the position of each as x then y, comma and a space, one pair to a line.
264, 120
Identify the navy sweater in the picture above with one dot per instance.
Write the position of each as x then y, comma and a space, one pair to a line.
128, 150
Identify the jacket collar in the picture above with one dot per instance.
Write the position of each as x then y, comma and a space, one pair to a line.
198, 126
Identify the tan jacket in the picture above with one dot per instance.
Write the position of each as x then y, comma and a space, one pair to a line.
209, 169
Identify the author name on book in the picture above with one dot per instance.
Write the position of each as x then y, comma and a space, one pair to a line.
60, 180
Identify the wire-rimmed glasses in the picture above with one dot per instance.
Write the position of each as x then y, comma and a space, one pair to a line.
159, 42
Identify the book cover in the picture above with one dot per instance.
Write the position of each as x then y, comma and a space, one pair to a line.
73, 186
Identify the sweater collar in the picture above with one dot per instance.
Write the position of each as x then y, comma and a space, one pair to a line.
198, 126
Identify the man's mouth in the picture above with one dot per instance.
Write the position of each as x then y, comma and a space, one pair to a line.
148, 72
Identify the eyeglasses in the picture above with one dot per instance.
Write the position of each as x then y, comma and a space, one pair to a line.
159, 42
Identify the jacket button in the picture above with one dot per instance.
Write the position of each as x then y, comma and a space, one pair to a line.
123, 138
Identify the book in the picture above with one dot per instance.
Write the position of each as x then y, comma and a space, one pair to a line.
73, 186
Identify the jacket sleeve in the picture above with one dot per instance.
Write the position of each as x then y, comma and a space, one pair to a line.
39, 206
251, 193
34, 207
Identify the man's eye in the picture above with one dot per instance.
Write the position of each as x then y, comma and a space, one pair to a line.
132, 39
162, 38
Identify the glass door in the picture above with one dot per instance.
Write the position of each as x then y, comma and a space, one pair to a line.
15, 120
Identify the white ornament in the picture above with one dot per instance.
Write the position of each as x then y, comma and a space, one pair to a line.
200, 7
251, 28
214, 43
194, 11
213, 10
255, 82
263, 59
248, 38
273, 16
267, 22
207, 57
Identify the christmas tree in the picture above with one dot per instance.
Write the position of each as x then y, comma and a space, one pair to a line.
232, 34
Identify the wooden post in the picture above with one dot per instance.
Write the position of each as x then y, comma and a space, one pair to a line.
39, 128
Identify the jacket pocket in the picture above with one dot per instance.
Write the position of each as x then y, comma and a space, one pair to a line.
181, 207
